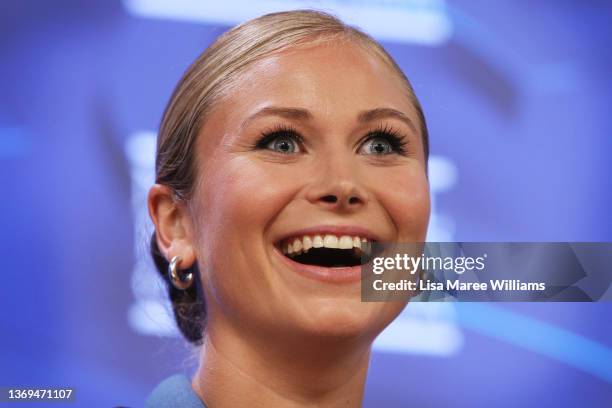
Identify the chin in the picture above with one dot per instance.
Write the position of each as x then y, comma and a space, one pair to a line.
335, 319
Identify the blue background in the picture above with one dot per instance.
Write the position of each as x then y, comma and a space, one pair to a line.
518, 102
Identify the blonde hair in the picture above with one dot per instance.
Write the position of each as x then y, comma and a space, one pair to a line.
205, 82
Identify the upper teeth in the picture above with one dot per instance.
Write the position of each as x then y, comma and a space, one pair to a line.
303, 244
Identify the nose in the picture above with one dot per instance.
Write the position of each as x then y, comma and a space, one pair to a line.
337, 189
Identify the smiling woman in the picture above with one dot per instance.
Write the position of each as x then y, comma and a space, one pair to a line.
291, 144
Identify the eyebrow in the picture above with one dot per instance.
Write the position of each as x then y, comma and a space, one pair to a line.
305, 115
288, 113
381, 113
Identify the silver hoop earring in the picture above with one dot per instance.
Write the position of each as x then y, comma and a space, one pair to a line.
180, 281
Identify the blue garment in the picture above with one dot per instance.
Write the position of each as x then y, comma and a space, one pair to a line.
174, 392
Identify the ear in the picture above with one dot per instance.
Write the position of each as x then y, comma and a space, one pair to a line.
173, 229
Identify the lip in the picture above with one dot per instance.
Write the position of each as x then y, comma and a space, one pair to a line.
347, 274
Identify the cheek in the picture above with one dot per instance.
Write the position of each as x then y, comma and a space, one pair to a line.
237, 199
243, 193
405, 198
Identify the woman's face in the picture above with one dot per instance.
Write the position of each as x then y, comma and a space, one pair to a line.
314, 141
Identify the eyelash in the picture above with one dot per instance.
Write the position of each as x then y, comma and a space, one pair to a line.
397, 141
279, 130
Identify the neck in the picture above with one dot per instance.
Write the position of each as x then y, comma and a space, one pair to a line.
238, 370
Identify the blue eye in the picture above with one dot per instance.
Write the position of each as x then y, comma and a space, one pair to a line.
383, 142
282, 140
378, 145
284, 144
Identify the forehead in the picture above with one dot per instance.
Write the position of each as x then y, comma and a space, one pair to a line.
334, 81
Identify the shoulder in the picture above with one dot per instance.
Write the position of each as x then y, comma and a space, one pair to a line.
174, 391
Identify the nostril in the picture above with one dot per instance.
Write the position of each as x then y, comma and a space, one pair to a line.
353, 200
330, 199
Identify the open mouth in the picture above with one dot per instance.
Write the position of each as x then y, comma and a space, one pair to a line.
328, 251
